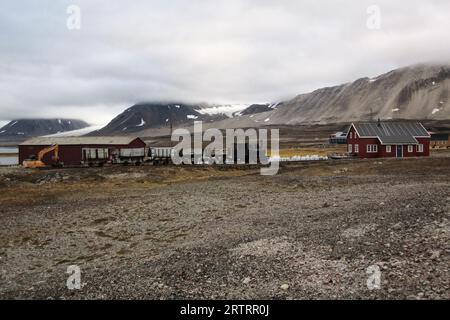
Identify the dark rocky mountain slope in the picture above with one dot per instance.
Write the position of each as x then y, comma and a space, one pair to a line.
155, 115
21, 129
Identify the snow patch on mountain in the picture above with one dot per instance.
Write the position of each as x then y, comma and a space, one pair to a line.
274, 105
76, 133
141, 124
230, 110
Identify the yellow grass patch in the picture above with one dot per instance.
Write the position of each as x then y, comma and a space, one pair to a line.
305, 151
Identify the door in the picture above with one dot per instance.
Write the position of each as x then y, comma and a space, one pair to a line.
400, 151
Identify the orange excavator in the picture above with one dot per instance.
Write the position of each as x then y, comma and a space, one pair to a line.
39, 163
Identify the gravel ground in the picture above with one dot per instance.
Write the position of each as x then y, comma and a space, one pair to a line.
310, 232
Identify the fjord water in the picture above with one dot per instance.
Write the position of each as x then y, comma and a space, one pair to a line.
9, 156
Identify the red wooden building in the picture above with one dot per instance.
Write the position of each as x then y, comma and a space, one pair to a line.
388, 139
84, 150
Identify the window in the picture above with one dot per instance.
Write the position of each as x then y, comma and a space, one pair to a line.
94, 154
356, 148
420, 148
410, 148
350, 148
372, 148
388, 149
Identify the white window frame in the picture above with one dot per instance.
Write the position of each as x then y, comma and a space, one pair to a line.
356, 148
350, 148
420, 148
388, 149
410, 148
372, 148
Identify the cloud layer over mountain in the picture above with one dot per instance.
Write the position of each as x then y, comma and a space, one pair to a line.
218, 51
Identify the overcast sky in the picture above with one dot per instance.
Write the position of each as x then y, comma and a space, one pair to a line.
222, 51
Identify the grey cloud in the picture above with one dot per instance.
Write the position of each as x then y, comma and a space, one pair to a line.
217, 51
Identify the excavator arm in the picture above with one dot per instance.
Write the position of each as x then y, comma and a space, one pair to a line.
44, 151
39, 163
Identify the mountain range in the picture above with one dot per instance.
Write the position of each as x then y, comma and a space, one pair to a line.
416, 92
420, 92
24, 128
156, 115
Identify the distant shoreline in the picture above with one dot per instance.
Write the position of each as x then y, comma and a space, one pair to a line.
12, 155
10, 144
9, 151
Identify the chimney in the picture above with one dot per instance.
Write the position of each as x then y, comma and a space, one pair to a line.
379, 122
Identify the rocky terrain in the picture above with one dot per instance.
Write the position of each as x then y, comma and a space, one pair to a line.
415, 92
256, 108
312, 231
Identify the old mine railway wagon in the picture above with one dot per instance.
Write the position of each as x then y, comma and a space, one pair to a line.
75, 151
385, 139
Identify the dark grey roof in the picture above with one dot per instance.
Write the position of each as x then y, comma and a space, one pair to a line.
120, 140
439, 136
392, 132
